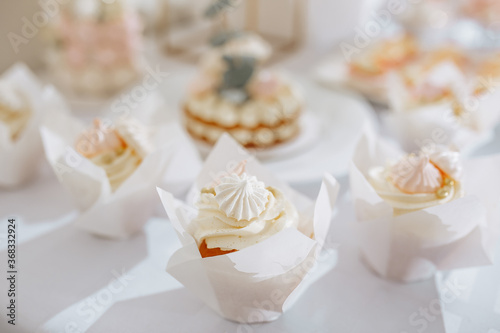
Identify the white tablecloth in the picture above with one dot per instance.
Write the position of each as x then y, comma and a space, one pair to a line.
69, 281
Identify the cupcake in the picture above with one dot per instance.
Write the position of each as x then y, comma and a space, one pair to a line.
96, 46
434, 99
118, 149
25, 104
111, 169
423, 212
15, 110
433, 77
240, 211
233, 93
383, 56
246, 235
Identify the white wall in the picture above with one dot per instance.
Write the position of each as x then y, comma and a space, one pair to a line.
11, 21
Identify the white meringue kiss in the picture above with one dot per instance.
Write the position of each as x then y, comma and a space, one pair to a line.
241, 197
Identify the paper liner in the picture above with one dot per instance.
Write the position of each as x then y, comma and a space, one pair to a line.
436, 123
117, 214
21, 158
411, 247
258, 283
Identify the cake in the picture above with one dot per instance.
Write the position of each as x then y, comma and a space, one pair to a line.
238, 211
97, 45
434, 77
118, 149
419, 181
233, 93
369, 68
15, 110
383, 56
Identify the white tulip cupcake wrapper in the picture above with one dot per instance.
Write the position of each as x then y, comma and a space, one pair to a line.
21, 158
436, 123
333, 73
117, 214
411, 247
258, 283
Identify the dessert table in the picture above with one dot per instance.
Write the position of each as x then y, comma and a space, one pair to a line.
70, 281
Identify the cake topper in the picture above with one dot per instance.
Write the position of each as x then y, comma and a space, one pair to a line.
219, 7
235, 79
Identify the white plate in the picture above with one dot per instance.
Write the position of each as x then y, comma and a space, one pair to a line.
342, 117
333, 73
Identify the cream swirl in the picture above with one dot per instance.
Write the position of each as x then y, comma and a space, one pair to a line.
14, 110
418, 182
240, 212
118, 164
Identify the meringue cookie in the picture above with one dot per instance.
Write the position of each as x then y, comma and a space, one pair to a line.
416, 175
241, 197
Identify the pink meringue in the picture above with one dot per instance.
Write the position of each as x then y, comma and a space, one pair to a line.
266, 85
416, 175
98, 139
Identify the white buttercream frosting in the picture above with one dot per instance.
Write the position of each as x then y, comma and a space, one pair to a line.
240, 211
15, 111
118, 164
